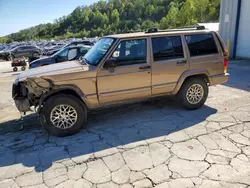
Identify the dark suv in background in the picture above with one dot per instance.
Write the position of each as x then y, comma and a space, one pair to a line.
21, 51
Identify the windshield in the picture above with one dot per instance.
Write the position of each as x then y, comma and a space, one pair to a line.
10, 48
98, 51
62, 52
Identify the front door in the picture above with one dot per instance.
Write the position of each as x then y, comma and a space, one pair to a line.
129, 77
169, 62
21, 51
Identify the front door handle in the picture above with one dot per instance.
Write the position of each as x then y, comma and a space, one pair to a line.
181, 62
145, 67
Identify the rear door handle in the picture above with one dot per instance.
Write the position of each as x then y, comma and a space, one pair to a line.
145, 67
181, 62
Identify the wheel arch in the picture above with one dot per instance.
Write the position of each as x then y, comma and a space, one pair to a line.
202, 73
68, 90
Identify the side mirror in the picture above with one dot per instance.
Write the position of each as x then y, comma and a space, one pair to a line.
111, 63
80, 58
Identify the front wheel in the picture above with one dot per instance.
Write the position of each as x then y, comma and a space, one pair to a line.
63, 115
193, 94
35, 55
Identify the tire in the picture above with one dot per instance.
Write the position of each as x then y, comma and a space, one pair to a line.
53, 103
9, 57
15, 69
23, 68
195, 84
35, 54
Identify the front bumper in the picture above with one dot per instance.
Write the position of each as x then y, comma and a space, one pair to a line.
22, 104
219, 79
19, 95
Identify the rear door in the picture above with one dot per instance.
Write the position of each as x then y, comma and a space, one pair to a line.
169, 62
20, 52
27, 51
204, 53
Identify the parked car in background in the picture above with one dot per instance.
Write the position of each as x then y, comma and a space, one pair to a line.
21, 51
182, 62
50, 49
74, 43
66, 54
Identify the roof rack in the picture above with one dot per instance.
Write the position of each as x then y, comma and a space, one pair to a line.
186, 28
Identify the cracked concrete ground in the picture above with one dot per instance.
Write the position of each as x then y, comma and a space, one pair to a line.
151, 144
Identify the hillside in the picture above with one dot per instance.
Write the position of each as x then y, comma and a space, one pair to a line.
117, 16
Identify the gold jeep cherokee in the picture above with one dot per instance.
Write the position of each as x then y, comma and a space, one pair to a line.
124, 68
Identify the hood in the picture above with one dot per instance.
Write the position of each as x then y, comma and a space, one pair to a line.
54, 69
53, 51
4, 52
42, 60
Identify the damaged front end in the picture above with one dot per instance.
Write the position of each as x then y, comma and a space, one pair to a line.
27, 93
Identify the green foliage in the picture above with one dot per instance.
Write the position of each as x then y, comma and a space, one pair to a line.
187, 13
172, 18
117, 16
5, 40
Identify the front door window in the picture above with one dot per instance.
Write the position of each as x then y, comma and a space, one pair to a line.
130, 52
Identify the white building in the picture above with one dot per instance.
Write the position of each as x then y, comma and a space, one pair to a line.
235, 27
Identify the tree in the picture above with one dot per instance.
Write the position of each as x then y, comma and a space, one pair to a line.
3, 39
187, 14
115, 16
148, 24
163, 23
150, 10
201, 10
172, 19
214, 10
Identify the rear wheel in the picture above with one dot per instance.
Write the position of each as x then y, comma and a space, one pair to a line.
193, 93
35, 55
23, 68
63, 115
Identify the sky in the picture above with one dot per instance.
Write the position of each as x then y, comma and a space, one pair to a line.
21, 14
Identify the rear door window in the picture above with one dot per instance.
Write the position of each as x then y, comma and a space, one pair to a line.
166, 48
201, 44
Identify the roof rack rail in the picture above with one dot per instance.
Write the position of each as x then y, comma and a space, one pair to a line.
186, 28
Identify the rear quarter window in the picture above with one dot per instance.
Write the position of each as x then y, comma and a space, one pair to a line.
201, 44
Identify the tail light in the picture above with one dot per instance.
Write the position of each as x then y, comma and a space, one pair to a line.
225, 65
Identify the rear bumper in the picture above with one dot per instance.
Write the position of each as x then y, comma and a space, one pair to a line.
219, 79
